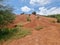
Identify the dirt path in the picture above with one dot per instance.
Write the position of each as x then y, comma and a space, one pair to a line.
46, 36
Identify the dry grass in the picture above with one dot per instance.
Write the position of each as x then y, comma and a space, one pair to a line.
38, 28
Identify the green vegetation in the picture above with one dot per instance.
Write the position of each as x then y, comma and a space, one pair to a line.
22, 13
22, 32
34, 13
57, 16
6, 18
13, 33
21, 24
58, 20
28, 18
6, 33
54, 16
39, 28
6, 15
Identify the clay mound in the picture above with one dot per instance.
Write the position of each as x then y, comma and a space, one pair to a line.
20, 18
49, 35
42, 21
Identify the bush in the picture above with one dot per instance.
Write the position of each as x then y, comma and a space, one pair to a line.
6, 33
22, 13
34, 13
6, 15
22, 32
58, 20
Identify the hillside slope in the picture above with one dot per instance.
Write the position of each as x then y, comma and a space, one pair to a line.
48, 35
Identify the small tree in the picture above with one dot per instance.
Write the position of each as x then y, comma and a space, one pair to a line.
22, 13
6, 15
34, 13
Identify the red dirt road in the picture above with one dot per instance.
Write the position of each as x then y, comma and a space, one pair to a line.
49, 35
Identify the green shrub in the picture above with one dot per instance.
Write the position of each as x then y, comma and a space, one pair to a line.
34, 13
22, 32
6, 33
58, 20
22, 13
14, 33
6, 15
6, 18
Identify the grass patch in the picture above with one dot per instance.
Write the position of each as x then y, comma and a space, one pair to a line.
28, 18
14, 33
6, 33
21, 24
39, 28
22, 32
53, 21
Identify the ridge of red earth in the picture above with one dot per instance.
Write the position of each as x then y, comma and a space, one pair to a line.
49, 35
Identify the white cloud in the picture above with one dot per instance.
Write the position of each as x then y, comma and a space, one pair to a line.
40, 2
45, 11
25, 9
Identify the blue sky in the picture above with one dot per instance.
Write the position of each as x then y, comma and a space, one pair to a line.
43, 7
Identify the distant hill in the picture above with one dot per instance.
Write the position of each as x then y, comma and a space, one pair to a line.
54, 16
57, 16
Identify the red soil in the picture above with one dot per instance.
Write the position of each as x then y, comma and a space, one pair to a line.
49, 35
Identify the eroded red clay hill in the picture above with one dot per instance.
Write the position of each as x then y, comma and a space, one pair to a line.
49, 35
